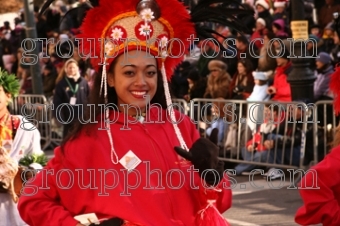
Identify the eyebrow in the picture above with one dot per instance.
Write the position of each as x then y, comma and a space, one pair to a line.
134, 66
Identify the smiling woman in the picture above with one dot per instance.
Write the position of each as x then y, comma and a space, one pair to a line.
167, 146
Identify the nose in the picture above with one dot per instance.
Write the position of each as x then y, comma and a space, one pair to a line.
140, 79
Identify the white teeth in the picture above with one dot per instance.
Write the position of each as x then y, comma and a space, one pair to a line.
138, 93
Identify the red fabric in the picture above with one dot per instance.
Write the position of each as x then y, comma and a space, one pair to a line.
257, 141
151, 142
321, 205
257, 35
283, 92
334, 87
209, 213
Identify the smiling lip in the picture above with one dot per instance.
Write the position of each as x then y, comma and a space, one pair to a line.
138, 94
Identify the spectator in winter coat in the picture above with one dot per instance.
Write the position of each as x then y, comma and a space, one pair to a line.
243, 81
280, 11
49, 77
243, 50
327, 40
279, 29
259, 94
281, 88
262, 8
326, 13
259, 32
324, 70
335, 53
218, 85
70, 89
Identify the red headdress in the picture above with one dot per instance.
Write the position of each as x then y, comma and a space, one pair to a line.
161, 29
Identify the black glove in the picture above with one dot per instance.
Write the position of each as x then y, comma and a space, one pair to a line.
110, 222
204, 155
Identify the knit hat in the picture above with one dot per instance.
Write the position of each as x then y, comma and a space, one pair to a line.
279, 3
263, 3
324, 58
261, 21
259, 75
217, 65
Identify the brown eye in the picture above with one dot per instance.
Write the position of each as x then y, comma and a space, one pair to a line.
151, 73
129, 73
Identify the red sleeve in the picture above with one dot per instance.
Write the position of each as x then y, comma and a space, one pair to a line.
282, 87
36, 202
321, 205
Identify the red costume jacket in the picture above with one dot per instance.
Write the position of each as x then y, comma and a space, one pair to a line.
321, 205
150, 198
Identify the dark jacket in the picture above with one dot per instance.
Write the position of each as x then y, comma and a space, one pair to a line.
63, 94
49, 84
198, 89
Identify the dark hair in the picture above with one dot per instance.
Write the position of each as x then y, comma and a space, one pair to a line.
247, 64
242, 39
97, 100
262, 82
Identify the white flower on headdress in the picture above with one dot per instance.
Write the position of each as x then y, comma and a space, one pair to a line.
108, 47
147, 15
144, 29
164, 41
164, 54
117, 34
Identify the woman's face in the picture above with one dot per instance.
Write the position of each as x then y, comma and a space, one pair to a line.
275, 30
72, 70
215, 72
241, 69
134, 78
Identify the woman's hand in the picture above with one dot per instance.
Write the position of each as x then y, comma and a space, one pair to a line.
79, 224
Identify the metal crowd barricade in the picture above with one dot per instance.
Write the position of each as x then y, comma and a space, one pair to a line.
56, 132
236, 127
181, 105
36, 110
324, 130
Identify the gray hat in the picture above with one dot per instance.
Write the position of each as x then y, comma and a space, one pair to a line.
324, 58
260, 75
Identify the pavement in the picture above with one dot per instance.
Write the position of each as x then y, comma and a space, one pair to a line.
258, 202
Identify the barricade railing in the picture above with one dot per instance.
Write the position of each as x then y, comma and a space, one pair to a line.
231, 117
324, 129
181, 105
237, 121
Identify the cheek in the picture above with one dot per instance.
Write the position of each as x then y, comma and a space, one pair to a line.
153, 84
